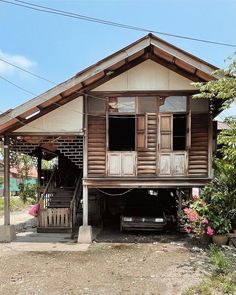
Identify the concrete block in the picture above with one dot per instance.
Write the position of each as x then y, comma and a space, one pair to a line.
85, 234
7, 233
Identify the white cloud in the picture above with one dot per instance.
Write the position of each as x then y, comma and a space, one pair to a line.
18, 60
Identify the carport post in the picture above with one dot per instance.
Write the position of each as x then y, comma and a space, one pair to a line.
85, 205
85, 231
6, 182
7, 231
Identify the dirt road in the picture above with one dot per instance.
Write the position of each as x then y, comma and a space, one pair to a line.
150, 268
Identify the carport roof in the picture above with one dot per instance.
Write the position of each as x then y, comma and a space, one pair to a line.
148, 47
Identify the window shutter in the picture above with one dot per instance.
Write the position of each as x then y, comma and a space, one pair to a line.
188, 131
141, 132
166, 132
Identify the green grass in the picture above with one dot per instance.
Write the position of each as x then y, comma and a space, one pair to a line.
15, 204
215, 284
223, 275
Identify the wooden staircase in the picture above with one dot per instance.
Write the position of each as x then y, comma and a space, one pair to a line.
61, 198
59, 207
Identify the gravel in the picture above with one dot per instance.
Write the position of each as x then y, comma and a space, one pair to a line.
106, 268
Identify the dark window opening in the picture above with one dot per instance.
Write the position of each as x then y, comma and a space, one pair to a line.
122, 133
179, 132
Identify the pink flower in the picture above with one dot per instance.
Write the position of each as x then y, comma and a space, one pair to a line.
193, 215
204, 221
210, 231
186, 210
188, 230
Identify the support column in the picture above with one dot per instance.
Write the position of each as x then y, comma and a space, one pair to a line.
85, 231
6, 182
7, 231
85, 205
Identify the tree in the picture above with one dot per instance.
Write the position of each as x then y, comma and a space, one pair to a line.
220, 194
23, 164
223, 88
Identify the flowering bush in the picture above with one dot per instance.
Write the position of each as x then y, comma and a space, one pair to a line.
195, 218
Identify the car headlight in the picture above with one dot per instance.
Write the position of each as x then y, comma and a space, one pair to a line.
159, 219
127, 218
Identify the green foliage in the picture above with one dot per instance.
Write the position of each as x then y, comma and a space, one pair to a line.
23, 164
221, 263
224, 88
1, 180
195, 217
222, 284
16, 203
223, 278
227, 139
220, 197
27, 191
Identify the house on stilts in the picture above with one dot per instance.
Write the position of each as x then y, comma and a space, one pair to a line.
124, 128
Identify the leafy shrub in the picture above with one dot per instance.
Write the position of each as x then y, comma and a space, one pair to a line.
27, 191
221, 263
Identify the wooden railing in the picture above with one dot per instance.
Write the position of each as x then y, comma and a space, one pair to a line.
75, 202
54, 218
48, 191
58, 218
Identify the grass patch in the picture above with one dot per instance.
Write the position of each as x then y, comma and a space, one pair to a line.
223, 275
15, 204
215, 284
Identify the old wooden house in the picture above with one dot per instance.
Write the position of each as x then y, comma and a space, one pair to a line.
123, 127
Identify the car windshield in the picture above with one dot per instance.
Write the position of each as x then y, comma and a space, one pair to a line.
143, 211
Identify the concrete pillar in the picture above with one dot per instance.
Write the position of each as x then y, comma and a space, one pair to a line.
85, 231
85, 205
7, 231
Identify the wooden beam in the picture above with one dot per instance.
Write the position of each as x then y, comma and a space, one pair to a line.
175, 68
119, 71
39, 168
6, 181
143, 93
158, 182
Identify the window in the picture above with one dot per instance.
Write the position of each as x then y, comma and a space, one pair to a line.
174, 104
122, 133
179, 132
147, 104
96, 105
121, 105
173, 132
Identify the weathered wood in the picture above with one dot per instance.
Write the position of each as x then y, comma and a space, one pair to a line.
6, 181
54, 218
198, 154
147, 159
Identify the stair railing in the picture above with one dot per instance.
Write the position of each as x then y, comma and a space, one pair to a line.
48, 191
76, 201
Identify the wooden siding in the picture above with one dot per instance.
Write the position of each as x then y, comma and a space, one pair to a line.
147, 158
96, 145
198, 154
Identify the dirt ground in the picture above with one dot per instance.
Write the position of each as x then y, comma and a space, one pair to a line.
106, 268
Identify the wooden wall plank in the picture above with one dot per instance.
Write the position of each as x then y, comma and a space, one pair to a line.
198, 154
96, 145
147, 158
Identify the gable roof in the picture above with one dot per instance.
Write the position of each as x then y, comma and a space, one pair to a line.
148, 47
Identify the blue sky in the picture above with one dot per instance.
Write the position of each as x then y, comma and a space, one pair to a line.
56, 47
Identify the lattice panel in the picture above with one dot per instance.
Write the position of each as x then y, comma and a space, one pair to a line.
22, 146
72, 149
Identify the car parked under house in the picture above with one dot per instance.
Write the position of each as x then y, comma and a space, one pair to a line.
127, 123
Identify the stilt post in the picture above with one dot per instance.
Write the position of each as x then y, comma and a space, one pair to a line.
6, 181
7, 231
